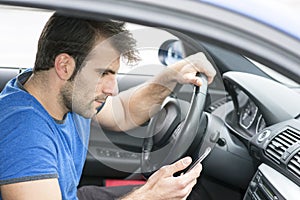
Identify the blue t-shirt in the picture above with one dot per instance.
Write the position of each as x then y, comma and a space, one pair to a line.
34, 146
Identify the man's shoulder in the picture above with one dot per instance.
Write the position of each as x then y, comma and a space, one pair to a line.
21, 109
14, 89
18, 101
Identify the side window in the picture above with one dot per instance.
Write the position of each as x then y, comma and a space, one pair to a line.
149, 41
20, 30
19, 35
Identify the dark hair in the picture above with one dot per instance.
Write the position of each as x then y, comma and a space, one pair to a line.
77, 37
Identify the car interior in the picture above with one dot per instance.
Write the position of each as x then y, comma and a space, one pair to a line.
250, 117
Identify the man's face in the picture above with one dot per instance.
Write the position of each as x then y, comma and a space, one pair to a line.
94, 82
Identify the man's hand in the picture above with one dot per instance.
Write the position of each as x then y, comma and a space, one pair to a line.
187, 68
162, 185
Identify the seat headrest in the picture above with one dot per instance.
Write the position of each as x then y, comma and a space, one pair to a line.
6, 74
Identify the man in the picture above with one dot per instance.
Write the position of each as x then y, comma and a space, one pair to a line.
46, 113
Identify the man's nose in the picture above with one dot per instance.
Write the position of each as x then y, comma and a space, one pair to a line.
110, 85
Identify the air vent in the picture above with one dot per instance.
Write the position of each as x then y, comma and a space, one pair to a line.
294, 164
281, 143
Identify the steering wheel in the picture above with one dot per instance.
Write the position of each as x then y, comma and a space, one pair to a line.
168, 137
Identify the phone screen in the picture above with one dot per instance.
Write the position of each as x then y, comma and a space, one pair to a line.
198, 160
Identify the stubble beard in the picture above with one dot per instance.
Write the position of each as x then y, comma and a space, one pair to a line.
74, 102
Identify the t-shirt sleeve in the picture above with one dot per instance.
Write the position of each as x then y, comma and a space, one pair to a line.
27, 148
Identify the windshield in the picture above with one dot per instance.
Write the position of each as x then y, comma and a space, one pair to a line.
275, 75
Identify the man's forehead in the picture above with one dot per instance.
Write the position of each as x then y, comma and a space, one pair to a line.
104, 55
105, 48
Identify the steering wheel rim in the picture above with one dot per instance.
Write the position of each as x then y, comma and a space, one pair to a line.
169, 144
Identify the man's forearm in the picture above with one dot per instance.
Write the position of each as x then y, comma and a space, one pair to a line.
143, 102
134, 107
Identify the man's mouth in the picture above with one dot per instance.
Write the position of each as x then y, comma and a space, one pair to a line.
99, 101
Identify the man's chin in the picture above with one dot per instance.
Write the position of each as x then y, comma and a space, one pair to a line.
88, 114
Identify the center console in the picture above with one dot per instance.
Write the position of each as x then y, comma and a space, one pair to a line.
269, 184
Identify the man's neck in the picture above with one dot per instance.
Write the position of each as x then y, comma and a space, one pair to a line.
46, 91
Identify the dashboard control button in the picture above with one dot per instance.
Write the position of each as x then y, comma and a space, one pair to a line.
262, 136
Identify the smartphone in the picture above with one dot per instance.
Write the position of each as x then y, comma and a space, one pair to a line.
198, 160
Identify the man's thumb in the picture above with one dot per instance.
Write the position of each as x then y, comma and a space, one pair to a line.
180, 164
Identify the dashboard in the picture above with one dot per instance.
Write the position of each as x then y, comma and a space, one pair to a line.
266, 117
249, 116
258, 102
245, 119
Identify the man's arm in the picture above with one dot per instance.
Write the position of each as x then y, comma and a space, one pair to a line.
135, 106
46, 189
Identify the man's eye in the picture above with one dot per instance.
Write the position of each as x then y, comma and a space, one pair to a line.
104, 73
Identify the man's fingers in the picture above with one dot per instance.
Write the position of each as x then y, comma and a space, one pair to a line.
181, 164
191, 78
196, 170
163, 184
201, 64
188, 75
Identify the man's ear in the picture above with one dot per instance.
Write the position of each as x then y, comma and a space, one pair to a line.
64, 65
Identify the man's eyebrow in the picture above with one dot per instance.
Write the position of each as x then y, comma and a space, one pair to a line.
110, 71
